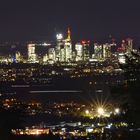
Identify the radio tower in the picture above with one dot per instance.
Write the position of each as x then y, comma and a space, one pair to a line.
69, 35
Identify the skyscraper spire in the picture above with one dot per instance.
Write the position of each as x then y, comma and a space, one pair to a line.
69, 35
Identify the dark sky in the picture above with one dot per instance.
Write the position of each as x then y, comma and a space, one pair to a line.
91, 19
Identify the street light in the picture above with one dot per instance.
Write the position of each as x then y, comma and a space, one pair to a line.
117, 110
87, 112
100, 111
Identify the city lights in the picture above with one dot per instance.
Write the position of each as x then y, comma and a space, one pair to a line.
87, 112
63, 51
117, 110
70, 70
59, 36
100, 111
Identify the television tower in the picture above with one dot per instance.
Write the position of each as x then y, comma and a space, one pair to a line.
69, 35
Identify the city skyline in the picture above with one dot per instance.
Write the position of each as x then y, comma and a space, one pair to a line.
63, 51
69, 70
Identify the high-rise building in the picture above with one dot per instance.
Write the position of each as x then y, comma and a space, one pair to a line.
79, 52
106, 50
31, 53
126, 46
45, 58
129, 45
102, 51
64, 48
60, 44
67, 51
68, 47
123, 46
98, 51
51, 55
86, 50
62, 54
18, 57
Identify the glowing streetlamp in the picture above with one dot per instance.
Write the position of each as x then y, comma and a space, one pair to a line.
87, 112
100, 111
117, 110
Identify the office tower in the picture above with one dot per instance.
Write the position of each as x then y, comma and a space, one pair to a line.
98, 51
68, 47
106, 50
129, 45
63, 50
45, 58
60, 45
18, 57
79, 52
51, 55
62, 54
31, 53
67, 51
123, 46
86, 54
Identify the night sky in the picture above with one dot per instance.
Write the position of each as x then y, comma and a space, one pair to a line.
22, 20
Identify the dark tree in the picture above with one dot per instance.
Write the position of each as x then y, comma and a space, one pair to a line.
11, 118
132, 83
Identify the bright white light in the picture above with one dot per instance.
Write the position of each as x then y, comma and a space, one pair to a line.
117, 110
59, 36
100, 111
109, 125
89, 130
122, 60
45, 44
87, 112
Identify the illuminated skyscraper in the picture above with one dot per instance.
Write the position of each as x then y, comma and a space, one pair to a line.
86, 54
106, 50
60, 44
79, 52
67, 51
18, 57
62, 54
129, 45
98, 51
68, 47
45, 58
51, 55
123, 46
31, 53
64, 48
